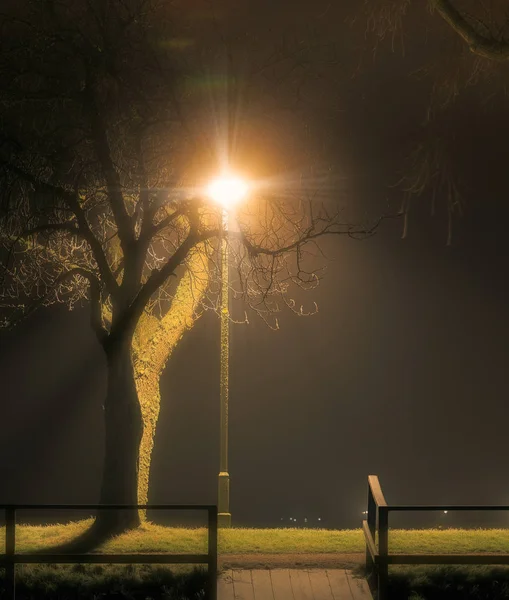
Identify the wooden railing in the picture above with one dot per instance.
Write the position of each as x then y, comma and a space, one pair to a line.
10, 559
376, 529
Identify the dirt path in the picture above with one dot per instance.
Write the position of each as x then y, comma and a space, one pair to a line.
291, 561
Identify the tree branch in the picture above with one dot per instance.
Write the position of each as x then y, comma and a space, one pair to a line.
95, 301
479, 44
84, 229
310, 234
50, 227
142, 206
163, 223
103, 151
159, 276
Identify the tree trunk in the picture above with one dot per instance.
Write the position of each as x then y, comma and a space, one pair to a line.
147, 384
123, 433
153, 343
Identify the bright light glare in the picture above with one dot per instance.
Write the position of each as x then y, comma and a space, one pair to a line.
227, 191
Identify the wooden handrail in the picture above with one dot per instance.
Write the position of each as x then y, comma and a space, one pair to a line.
449, 559
370, 542
458, 507
114, 559
10, 559
376, 489
377, 525
105, 506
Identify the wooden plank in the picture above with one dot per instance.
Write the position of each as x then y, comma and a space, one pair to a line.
242, 584
371, 519
451, 507
359, 587
262, 584
281, 585
383, 552
339, 584
300, 584
109, 506
212, 552
370, 542
320, 584
225, 586
376, 489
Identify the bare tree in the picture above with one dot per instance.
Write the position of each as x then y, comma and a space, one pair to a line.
102, 202
483, 26
485, 33
467, 45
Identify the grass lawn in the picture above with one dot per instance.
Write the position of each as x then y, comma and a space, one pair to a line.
157, 538
143, 581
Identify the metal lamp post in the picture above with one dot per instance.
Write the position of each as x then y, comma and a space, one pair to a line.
227, 191
223, 505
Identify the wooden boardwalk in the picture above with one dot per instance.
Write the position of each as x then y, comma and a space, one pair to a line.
291, 584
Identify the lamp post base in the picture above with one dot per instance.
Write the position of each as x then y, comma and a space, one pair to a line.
224, 517
224, 520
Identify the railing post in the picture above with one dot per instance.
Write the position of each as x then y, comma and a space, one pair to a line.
212, 553
383, 552
371, 519
10, 546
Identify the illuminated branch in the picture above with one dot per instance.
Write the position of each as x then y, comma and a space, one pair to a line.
52, 227
331, 228
149, 230
159, 276
83, 227
95, 301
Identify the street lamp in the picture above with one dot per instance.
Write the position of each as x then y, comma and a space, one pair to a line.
226, 191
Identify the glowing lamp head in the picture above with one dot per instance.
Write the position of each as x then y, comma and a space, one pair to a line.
227, 191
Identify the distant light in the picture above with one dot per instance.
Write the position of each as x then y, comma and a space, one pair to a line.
319, 519
445, 512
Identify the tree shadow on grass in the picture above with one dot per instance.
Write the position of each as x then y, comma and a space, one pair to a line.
88, 541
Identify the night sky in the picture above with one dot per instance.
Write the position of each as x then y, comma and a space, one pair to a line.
402, 373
